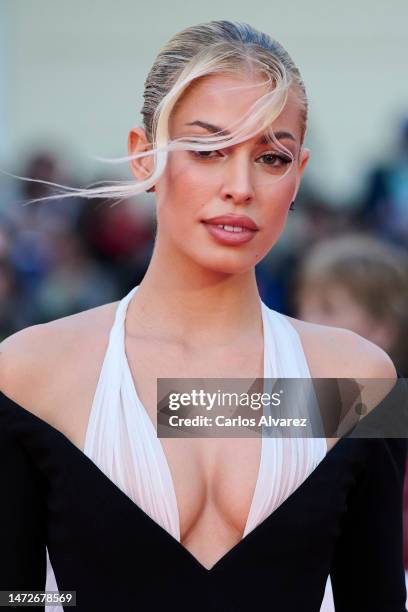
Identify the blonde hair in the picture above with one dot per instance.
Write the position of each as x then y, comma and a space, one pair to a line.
196, 52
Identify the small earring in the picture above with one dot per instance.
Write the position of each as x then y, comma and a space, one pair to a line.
292, 206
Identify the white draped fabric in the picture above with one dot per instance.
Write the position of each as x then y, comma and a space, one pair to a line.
121, 438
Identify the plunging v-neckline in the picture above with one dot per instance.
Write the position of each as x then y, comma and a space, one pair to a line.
160, 448
110, 483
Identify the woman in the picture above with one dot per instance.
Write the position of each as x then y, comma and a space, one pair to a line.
134, 523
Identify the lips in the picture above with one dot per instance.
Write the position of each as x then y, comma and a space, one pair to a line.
233, 220
231, 230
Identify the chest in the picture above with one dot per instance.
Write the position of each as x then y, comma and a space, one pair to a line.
214, 478
308, 521
148, 360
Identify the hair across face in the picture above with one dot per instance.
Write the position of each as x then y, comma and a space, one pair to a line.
218, 47
253, 177
205, 50
209, 48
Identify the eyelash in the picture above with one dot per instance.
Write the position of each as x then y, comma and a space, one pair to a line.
198, 155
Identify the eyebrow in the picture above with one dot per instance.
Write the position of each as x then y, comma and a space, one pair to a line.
222, 132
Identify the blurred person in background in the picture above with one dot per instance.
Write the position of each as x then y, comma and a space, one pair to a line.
44, 169
315, 219
384, 209
359, 283
68, 256
119, 239
16, 312
8, 299
33, 222
74, 281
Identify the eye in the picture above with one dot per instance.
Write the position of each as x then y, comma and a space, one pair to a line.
270, 159
206, 154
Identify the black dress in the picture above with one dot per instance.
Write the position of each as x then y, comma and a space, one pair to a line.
345, 520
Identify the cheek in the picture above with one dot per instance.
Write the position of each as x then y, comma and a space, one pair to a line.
279, 192
184, 185
274, 201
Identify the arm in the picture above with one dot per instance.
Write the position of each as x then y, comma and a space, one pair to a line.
22, 520
367, 568
28, 359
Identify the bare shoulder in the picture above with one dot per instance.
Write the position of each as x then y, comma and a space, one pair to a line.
334, 352
43, 362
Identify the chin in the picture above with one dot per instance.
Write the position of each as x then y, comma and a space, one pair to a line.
235, 263
221, 259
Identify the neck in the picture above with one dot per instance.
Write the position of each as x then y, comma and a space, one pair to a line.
183, 301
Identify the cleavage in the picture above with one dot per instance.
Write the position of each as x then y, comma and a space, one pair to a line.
213, 478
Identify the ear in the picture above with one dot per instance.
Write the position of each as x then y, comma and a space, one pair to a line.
142, 167
304, 157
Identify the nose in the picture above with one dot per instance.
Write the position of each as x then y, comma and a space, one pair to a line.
237, 181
